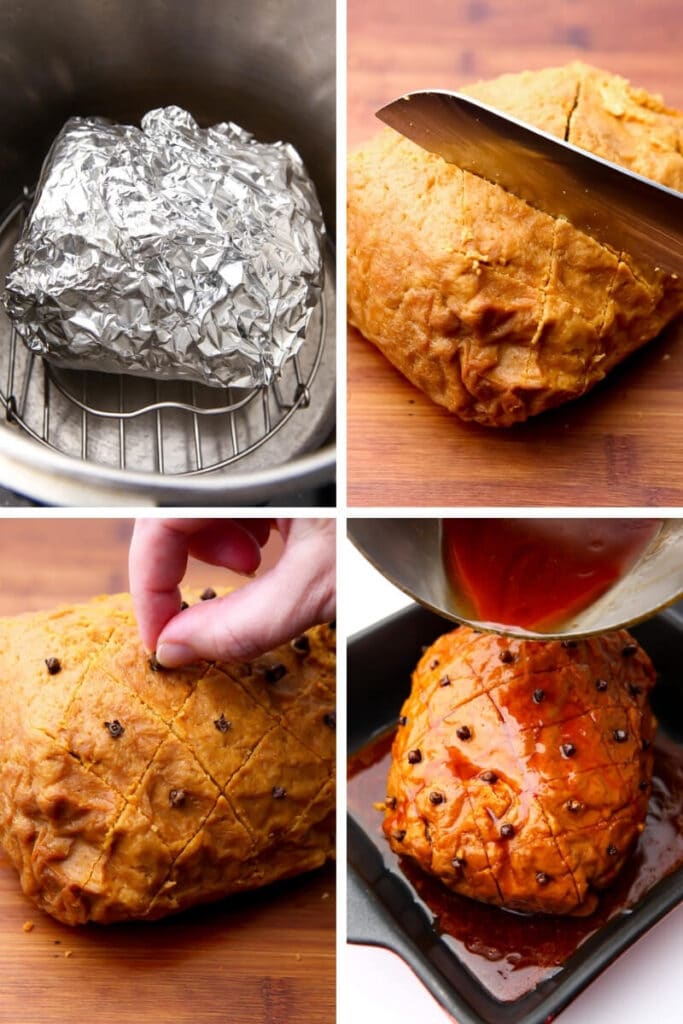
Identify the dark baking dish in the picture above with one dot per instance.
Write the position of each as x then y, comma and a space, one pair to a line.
384, 907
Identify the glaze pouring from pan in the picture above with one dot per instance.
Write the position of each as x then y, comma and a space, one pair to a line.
536, 578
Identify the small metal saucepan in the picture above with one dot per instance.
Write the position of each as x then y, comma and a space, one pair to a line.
409, 553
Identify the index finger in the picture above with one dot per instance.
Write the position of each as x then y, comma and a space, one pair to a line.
158, 560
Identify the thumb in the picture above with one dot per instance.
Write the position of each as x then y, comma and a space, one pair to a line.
294, 595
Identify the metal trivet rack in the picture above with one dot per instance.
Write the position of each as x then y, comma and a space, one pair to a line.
132, 423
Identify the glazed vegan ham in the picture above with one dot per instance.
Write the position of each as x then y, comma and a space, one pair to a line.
495, 310
131, 792
521, 769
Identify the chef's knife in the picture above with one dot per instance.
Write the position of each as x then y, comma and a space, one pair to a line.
617, 207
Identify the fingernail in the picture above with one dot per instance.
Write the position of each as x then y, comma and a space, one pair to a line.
175, 655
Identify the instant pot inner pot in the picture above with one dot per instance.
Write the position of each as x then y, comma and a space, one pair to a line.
269, 67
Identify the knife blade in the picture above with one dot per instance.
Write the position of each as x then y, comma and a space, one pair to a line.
621, 209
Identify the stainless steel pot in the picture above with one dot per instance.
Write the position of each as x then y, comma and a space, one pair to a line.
269, 66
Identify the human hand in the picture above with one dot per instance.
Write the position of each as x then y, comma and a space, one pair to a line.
298, 592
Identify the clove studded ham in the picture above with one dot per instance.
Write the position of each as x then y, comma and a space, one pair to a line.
128, 791
521, 769
495, 310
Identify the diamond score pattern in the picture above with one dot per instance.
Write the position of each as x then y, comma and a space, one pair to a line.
518, 760
173, 806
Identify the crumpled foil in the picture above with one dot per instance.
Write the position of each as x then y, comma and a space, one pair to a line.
169, 251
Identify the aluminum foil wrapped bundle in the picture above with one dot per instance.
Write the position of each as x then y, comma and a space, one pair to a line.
169, 251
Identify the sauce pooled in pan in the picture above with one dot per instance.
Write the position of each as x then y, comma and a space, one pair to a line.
510, 953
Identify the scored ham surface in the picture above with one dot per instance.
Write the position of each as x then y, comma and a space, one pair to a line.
130, 792
521, 769
496, 310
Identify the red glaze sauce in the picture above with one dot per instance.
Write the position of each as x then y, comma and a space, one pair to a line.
537, 573
510, 954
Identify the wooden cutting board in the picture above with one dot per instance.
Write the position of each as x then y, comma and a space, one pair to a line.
622, 443
266, 957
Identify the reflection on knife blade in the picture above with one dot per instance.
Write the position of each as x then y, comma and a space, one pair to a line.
617, 207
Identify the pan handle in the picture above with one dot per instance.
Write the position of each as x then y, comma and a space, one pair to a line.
368, 923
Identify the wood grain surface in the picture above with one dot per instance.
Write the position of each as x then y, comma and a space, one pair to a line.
619, 445
266, 957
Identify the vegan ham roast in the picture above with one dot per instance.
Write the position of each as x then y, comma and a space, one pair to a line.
521, 769
495, 310
127, 791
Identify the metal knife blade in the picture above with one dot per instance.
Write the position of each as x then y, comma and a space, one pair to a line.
617, 207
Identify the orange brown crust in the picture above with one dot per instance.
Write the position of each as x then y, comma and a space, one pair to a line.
495, 310
130, 793
516, 777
